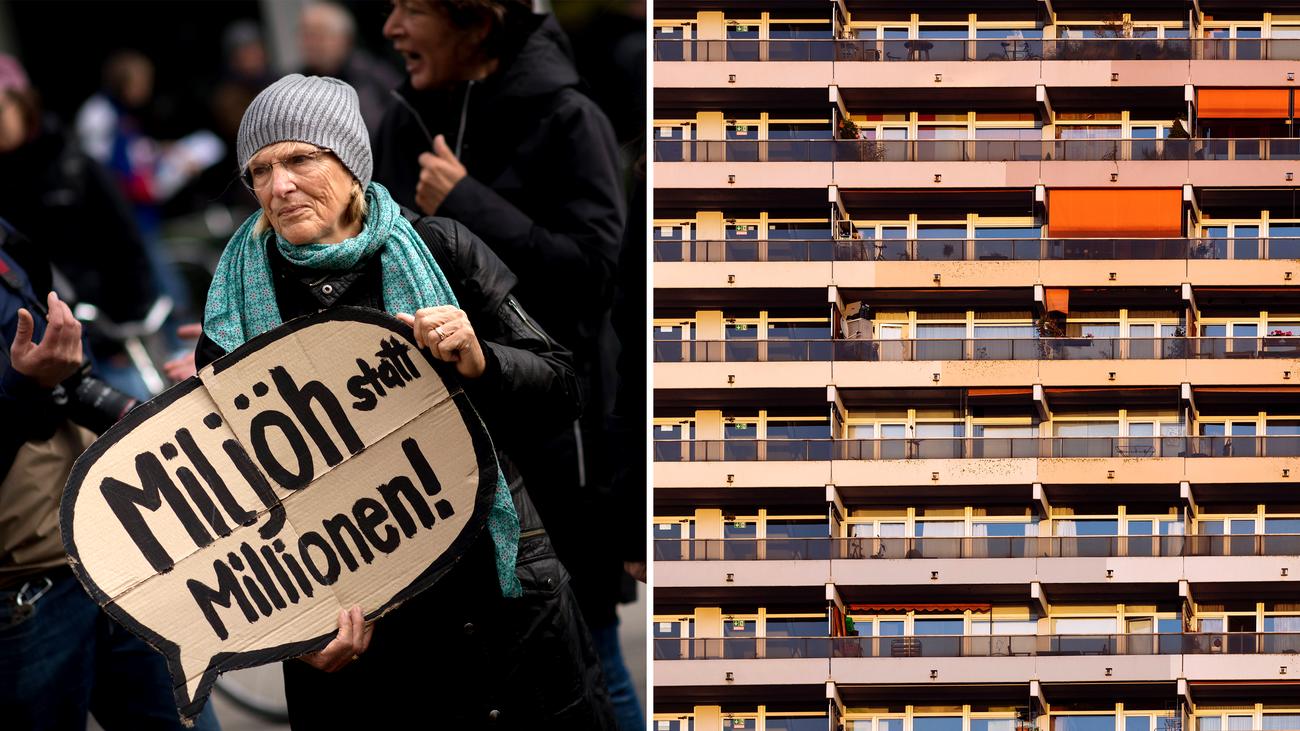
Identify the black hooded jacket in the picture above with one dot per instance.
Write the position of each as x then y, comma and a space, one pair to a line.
543, 190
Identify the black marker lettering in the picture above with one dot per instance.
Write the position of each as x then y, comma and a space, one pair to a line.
226, 593
290, 480
394, 352
392, 493
237, 512
357, 387
335, 527
207, 508
370, 514
300, 401
269, 556
155, 486
331, 573
263, 578
262, 604
261, 488
389, 375
427, 477
291, 562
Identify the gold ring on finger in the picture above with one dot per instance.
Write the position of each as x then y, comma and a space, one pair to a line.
442, 334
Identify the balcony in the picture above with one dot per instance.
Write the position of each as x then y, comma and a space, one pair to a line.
990, 250
823, 450
997, 50
993, 349
981, 547
1093, 150
785, 648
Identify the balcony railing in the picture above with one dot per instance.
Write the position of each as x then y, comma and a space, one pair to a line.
827, 150
761, 648
957, 249
821, 450
983, 49
822, 549
879, 351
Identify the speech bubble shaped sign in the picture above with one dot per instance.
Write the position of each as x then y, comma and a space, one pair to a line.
324, 464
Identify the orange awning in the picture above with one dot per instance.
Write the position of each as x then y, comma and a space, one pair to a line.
1114, 212
919, 607
1243, 103
1057, 299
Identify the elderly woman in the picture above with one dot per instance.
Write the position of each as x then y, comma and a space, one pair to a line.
498, 642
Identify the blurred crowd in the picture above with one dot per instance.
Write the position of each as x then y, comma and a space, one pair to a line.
122, 200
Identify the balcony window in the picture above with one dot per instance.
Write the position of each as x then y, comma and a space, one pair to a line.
1086, 438
801, 329
983, 529
797, 528
993, 724
740, 37
937, 723
796, 723
876, 724
1281, 721
1006, 242
671, 441
797, 627
940, 243
675, 724
1284, 240
1003, 627
740, 724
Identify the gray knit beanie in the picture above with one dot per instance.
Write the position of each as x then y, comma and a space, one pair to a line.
314, 109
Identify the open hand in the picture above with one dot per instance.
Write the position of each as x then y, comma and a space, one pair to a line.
59, 353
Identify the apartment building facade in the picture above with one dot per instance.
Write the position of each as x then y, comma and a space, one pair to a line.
977, 365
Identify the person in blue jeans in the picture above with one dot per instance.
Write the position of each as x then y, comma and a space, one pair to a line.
61, 657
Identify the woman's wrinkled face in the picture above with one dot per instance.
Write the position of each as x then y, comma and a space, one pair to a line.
304, 192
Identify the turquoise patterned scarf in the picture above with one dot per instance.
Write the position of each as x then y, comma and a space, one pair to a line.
241, 305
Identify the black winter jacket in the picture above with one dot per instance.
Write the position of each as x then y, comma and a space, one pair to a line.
543, 191
459, 655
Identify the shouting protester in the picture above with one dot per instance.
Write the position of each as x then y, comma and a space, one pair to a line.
499, 639
494, 132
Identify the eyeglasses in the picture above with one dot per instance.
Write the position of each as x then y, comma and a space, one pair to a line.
258, 177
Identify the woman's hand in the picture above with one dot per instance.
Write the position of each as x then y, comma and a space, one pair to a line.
352, 640
446, 332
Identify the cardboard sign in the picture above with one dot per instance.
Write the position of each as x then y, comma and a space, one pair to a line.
324, 464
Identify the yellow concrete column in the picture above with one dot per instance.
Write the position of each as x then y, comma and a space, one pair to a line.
708, 326
710, 26
710, 126
708, 718
709, 225
708, 523
708, 622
